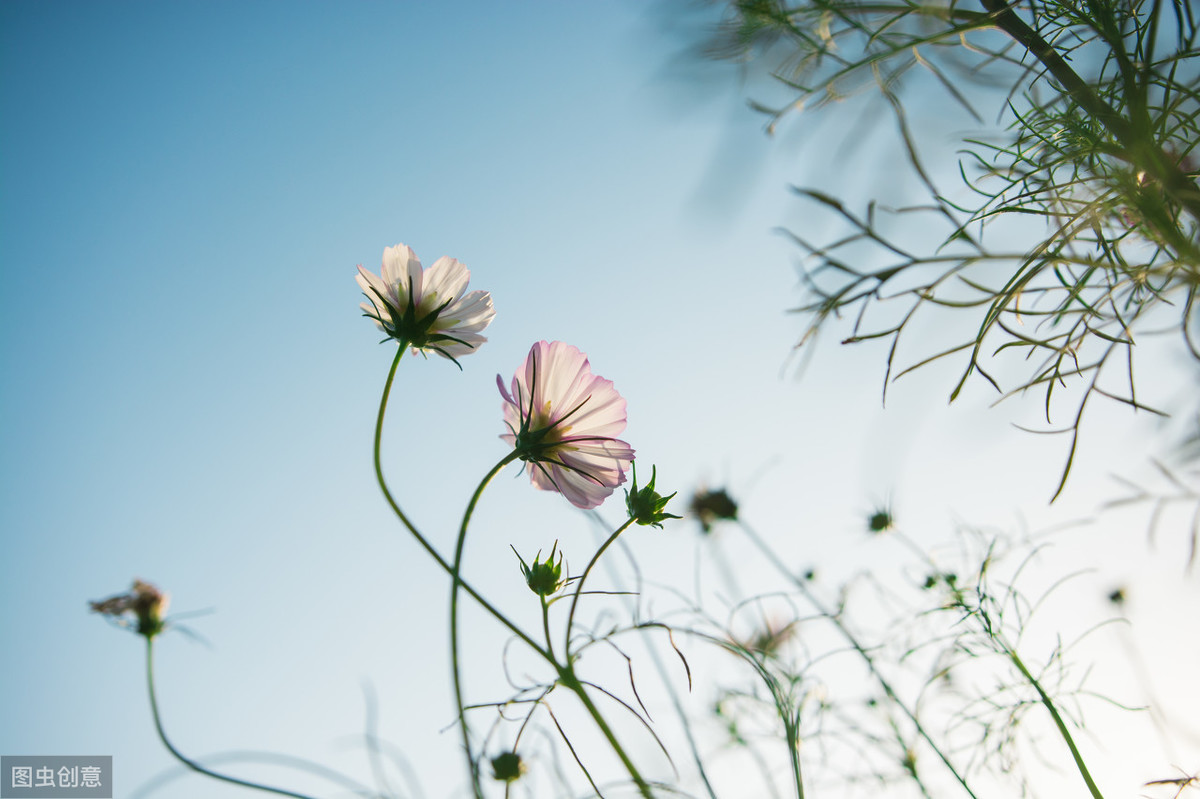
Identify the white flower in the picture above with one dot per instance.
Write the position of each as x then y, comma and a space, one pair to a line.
426, 309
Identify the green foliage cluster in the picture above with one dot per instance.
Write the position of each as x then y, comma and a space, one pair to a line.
1079, 236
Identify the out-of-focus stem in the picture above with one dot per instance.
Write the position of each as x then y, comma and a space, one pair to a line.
782, 568
192, 764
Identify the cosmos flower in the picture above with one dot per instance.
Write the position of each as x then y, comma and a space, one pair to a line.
426, 309
562, 420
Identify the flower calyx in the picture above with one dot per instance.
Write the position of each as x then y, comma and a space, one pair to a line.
544, 578
645, 505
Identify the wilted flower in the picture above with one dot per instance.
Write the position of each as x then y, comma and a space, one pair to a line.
561, 420
144, 601
770, 639
426, 309
645, 505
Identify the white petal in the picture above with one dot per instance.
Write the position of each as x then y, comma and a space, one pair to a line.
373, 286
400, 265
446, 280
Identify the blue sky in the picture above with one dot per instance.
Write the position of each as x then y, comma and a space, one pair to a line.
188, 390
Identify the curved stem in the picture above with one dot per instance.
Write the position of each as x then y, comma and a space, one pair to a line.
428, 547
583, 577
565, 673
193, 765
456, 568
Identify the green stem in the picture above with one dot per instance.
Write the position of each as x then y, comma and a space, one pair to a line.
793, 735
566, 676
457, 583
428, 547
583, 577
567, 673
1150, 158
546, 625
1058, 720
193, 765
857, 647
452, 570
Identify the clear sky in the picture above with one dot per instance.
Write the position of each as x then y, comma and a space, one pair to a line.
188, 390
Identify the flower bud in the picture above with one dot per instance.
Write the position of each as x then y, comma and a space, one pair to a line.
507, 767
880, 521
544, 577
709, 506
645, 505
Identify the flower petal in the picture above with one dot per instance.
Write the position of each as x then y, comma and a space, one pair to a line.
443, 282
565, 419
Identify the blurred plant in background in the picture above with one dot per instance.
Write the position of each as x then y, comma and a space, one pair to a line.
1078, 237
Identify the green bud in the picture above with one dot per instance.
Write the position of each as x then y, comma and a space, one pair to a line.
880, 521
507, 767
709, 506
645, 505
543, 577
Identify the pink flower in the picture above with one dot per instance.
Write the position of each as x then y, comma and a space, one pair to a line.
426, 309
562, 420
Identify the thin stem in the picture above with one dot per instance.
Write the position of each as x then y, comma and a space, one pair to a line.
433, 553
566, 676
1150, 157
565, 673
652, 651
546, 625
1058, 720
857, 647
793, 735
454, 590
583, 577
193, 765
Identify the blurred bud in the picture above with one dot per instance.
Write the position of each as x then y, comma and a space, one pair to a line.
507, 767
709, 506
880, 521
144, 602
645, 505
